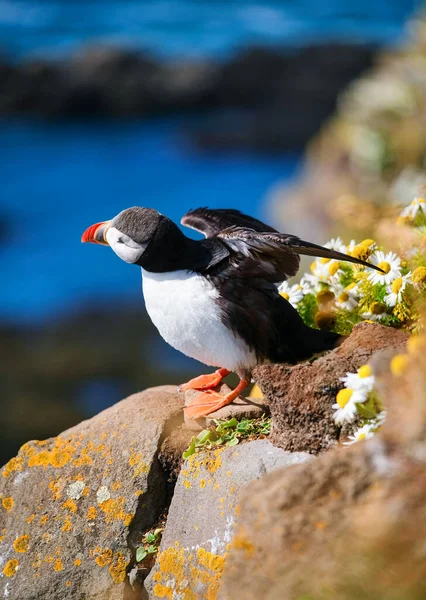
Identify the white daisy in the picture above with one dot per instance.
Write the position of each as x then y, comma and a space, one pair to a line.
363, 433
361, 381
412, 209
336, 244
350, 246
396, 289
309, 284
292, 293
345, 407
390, 263
369, 316
325, 270
347, 297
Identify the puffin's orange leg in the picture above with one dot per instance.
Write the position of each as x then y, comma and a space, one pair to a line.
205, 382
210, 401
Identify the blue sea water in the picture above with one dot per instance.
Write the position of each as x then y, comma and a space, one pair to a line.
57, 179
194, 27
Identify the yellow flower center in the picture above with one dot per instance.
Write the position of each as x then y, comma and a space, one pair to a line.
397, 285
343, 397
285, 295
361, 436
350, 286
366, 243
398, 364
333, 268
365, 371
324, 261
419, 275
385, 266
313, 267
344, 297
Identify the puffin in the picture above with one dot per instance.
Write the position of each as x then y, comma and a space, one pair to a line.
216, 299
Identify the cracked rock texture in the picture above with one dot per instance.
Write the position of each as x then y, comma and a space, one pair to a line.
202, 515
73, 507
300, 397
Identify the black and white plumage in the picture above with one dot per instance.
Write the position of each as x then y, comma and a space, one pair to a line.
216, 299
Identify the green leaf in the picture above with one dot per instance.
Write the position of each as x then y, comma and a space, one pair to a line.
203, 436
141, 553
233, 442
365, 411
152, 549
231, 423
150, 537
191, 449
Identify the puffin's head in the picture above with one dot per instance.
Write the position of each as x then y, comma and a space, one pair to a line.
128, 234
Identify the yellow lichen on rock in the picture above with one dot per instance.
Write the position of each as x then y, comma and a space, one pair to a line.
11, 567
181, 572
57, 457
139, 466
104, 557
21, 543
15, 464
113, 508
70, 505
118, 568
163, 591
91, 513
67, 526
8, 503
58, 566
214, 562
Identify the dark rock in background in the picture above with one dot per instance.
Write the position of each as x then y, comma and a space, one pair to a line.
278, 99
300, 397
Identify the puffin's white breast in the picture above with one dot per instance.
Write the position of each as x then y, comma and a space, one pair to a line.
182, 305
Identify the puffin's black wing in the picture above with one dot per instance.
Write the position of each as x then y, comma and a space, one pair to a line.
211, 222
274, 256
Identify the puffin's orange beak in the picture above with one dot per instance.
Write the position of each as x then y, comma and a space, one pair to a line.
96, 233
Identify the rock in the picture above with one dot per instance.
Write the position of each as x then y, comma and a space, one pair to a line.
286, 96
277, 98
353, 519
240, 408
202, 516
300, 397
74, 508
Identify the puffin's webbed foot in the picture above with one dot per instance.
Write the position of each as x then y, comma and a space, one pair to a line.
210, 401
205, 382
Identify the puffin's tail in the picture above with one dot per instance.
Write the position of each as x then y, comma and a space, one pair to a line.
308, 342
317, 340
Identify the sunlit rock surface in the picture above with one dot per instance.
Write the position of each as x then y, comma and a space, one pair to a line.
202, 516
73, 508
